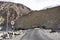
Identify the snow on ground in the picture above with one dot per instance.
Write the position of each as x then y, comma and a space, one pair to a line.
54, 36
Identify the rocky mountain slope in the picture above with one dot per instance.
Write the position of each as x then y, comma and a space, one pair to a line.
25, 18
49, 18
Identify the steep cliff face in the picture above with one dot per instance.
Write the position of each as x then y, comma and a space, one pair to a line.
49, 18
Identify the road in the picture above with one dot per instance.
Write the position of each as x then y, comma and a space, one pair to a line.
36, 34
33, 34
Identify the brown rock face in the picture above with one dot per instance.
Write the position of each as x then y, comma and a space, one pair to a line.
49, 18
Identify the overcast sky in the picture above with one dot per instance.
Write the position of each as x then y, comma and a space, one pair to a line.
37, 4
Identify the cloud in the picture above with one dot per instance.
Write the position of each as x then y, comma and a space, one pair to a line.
37, 4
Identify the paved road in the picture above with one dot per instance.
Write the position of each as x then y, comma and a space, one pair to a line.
35, 34
32, 34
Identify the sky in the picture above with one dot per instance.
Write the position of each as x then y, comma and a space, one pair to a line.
37, 4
